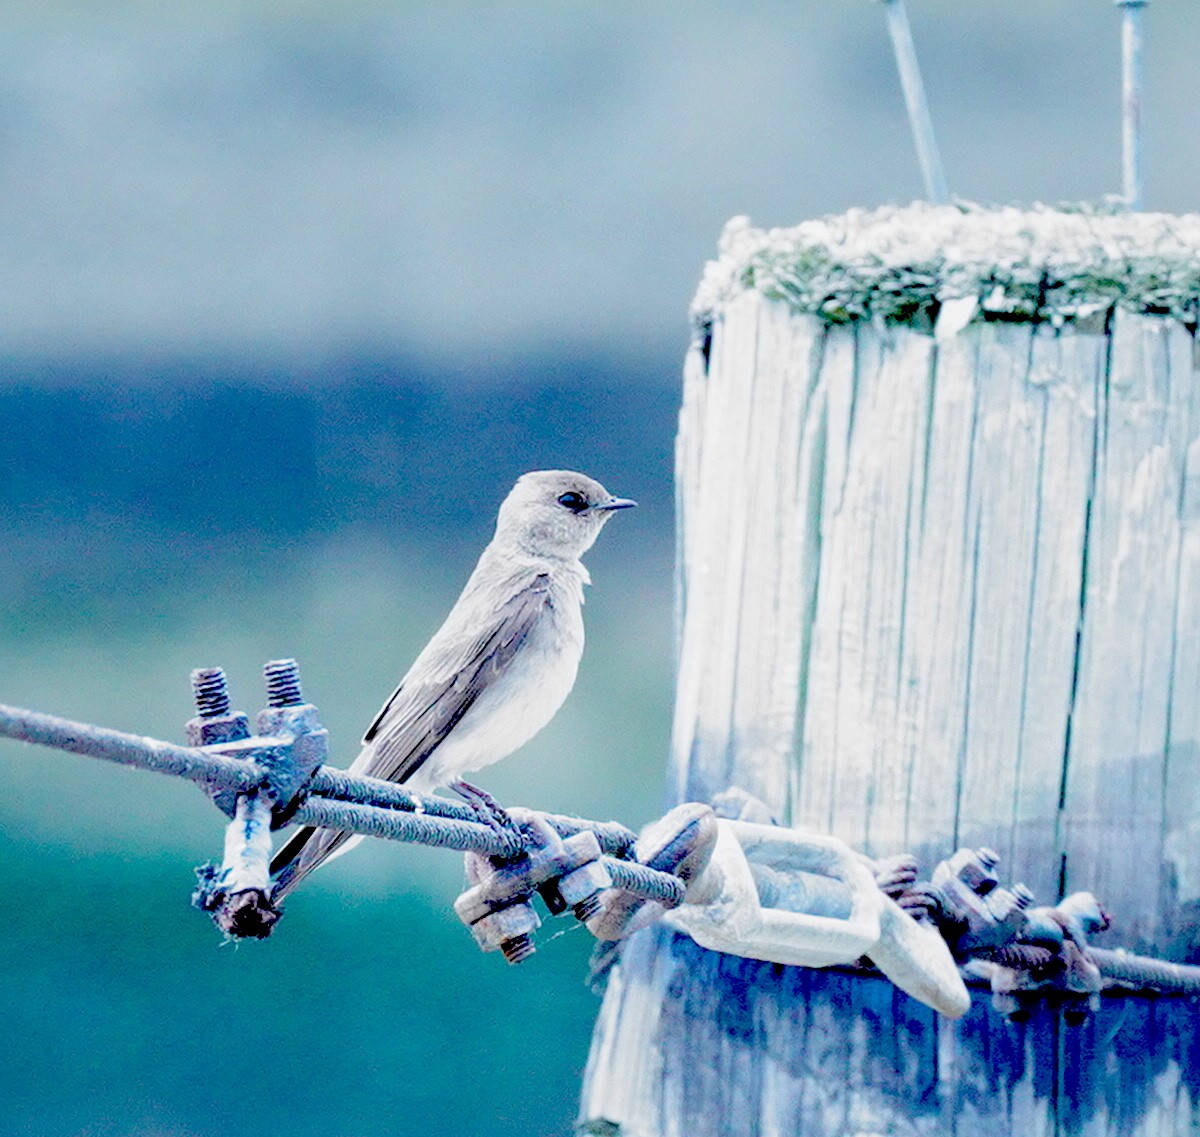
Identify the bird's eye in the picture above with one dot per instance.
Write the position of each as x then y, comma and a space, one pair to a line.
573, 501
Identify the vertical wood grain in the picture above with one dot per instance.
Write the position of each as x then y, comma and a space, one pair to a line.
1112, 824
1067, 372
931, 591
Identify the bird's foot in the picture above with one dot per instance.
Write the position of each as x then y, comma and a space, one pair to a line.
490, 812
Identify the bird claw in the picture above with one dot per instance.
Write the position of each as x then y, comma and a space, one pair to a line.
490, 812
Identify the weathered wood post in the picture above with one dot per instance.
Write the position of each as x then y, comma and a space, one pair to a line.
939, 585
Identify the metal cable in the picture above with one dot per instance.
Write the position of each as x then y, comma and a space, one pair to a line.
213, 770
1119, 968
341, 786
338, 800
629, 876
1020, 957
1142, 972
329, 783
398, 825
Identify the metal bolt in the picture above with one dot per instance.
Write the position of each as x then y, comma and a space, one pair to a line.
518, 948
215, 724
283, 683
587, 908
1023, 895
211, 692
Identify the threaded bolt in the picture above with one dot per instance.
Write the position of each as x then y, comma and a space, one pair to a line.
211, 692
1023, 895
587, 908
283, 683
518, 948
989, 858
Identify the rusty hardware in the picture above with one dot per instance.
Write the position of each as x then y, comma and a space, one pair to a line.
967, 903
567, 872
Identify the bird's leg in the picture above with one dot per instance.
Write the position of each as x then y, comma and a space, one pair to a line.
490, 811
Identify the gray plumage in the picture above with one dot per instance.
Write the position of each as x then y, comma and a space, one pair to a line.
499, 667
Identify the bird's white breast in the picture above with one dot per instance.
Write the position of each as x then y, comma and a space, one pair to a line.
520, 702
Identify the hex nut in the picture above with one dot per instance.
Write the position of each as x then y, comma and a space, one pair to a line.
504, 924
218, 729
584, 882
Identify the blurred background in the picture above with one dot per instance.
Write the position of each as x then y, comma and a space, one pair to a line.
289, 294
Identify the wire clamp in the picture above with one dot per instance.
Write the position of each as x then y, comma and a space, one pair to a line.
793, 897
568, 873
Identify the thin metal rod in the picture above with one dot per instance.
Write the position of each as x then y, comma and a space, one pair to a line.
914, 99
1131, 100
213, 770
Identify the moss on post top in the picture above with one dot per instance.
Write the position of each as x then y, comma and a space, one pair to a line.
905, 264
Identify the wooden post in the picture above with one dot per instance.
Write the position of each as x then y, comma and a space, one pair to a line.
939, 585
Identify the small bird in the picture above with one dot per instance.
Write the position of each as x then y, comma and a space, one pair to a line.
497, 670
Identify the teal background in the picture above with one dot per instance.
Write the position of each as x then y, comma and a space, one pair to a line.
230, 527
290, 293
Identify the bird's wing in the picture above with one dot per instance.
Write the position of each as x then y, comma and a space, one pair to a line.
442, 686
433, 698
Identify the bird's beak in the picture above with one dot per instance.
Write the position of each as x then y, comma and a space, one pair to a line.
615, 503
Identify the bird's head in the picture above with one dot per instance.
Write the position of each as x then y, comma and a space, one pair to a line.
556, 513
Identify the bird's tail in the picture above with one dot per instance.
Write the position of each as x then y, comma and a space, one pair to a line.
310, 847
307, 849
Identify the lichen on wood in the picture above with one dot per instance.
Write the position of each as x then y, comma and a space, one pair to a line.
902, 264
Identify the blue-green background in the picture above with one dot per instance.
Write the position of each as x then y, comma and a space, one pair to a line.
231, 526
289, 294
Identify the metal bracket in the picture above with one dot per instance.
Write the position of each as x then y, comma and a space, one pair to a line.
291, 745
787, 896
566, 872
1051, 956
